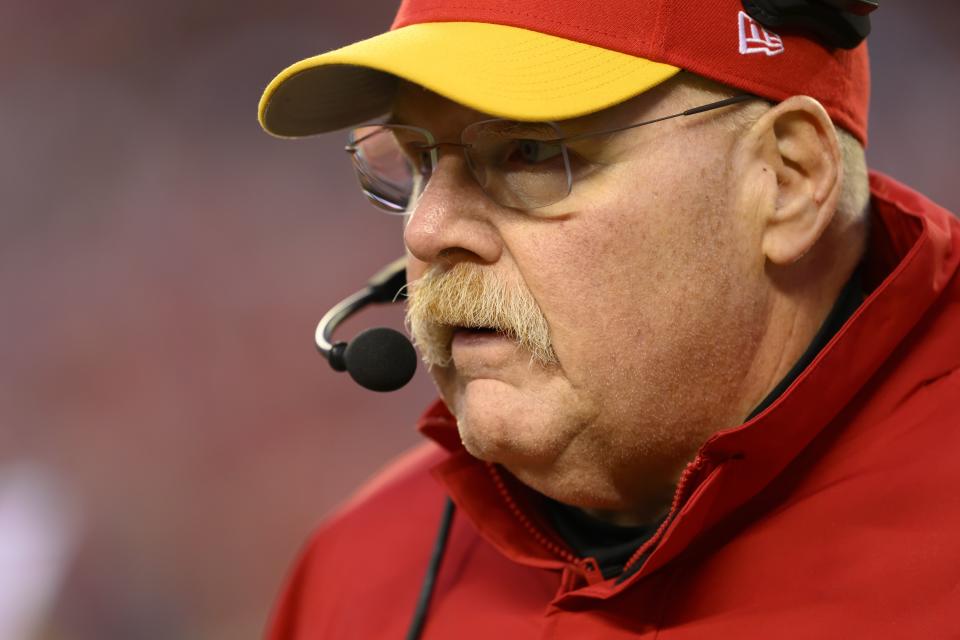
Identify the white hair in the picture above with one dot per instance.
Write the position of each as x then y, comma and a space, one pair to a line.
853, 203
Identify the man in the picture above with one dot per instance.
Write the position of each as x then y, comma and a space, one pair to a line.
697, 374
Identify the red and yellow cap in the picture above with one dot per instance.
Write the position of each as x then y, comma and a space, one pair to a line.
558, 59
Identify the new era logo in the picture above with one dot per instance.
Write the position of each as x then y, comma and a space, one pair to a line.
755, 39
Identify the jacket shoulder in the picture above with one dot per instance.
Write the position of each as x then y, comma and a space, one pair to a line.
376, 543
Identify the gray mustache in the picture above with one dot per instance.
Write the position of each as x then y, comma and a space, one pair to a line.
470, 295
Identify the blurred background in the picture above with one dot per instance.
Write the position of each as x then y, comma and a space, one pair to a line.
168, 436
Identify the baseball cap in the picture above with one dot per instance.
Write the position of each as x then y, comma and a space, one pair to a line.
540, 60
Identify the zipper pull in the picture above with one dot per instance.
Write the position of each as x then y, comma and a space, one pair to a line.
589, 570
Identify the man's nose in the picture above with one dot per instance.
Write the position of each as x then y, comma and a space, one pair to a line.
453, 219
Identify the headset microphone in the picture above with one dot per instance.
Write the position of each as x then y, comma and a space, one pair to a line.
379, 359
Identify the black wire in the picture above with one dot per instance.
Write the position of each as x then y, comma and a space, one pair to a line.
420, 614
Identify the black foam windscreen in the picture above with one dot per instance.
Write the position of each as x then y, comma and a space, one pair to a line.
381, 359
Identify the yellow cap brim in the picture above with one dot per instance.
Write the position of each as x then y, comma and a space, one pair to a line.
503, 71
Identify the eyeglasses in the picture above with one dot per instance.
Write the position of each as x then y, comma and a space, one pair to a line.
522, 165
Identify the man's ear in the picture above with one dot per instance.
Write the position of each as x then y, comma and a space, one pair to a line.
792, 156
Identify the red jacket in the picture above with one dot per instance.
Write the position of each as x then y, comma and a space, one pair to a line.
835, 513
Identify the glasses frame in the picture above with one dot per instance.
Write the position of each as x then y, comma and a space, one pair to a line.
433, 148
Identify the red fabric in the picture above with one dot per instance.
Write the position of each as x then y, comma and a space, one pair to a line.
702, 37
833, 514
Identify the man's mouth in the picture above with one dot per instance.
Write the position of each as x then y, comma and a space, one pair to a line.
476, 337
475, 330
486, 346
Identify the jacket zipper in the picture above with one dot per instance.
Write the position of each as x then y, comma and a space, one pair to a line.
679, 497
531, 528
587, 566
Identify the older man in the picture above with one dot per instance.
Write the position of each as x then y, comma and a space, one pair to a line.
698, 371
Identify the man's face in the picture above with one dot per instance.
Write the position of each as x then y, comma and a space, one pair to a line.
651, 285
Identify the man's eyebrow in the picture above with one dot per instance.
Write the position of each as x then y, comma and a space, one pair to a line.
514, 127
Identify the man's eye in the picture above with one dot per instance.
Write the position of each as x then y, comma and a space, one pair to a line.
421, 160
535, 151
417, 155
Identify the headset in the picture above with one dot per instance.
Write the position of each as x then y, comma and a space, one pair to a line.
382, 359
379, 359
842, 24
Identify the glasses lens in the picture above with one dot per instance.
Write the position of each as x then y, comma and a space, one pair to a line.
519, 164
390, 163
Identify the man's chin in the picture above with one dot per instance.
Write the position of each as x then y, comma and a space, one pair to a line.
501, 423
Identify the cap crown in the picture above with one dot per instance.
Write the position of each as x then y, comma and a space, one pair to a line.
712, 38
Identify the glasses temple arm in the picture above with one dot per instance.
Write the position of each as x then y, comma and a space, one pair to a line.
717, 105
689, 112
